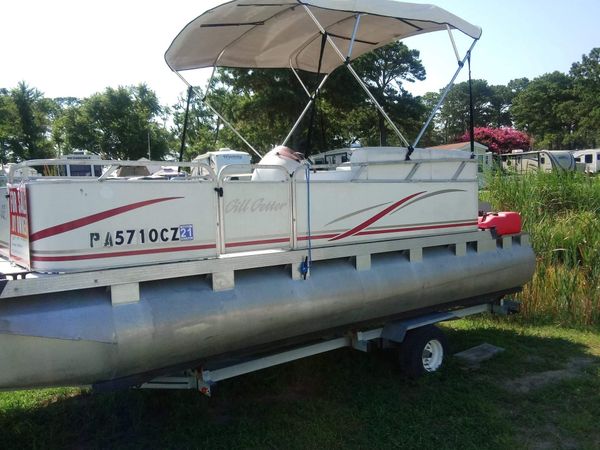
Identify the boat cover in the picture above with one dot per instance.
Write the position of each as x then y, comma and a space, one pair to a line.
280, 33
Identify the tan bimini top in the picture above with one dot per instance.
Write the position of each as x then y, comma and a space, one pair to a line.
280, 34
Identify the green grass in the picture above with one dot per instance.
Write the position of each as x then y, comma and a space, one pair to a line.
343, 399
561, 211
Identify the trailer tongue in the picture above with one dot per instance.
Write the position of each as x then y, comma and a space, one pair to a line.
123, 279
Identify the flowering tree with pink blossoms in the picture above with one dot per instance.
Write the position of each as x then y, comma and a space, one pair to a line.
500, 140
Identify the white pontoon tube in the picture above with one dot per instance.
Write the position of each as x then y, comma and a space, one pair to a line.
265, 34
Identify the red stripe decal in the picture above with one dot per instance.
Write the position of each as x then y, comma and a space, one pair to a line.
263, 242
78, 223
375, 218
394, 230
120, 254
428, 227
16, 258
318, 236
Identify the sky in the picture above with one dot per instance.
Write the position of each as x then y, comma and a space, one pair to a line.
76, 48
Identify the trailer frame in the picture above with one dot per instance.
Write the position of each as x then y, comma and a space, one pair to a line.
392, 333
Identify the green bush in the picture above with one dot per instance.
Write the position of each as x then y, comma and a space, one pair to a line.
561, 211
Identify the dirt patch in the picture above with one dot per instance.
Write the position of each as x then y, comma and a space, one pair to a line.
473, 357
534, 381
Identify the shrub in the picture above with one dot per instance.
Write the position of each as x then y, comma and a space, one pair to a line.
500, 140
561, 211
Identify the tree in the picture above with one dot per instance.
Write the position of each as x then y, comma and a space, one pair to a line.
24, 124
118, 123
491, 107
8, 126
59, 109
499, 107
545, 109
385, 70
500, 140
586, 87
263, 104
203, 127
435, 133
517, 85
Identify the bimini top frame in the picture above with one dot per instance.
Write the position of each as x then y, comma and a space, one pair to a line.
292, 34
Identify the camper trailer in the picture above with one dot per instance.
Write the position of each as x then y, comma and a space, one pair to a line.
85, 169
224, 157
543, 160
589, 158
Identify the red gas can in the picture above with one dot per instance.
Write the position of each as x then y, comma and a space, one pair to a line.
503, 222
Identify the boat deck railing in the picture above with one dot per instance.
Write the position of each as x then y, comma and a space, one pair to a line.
24, 171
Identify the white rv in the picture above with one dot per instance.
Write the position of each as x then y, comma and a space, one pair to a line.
590, 158
85, 169
224, 157
542, 160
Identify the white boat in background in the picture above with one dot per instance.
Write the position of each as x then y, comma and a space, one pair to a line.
225, 259
333, 157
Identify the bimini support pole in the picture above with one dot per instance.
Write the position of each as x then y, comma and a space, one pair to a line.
300, 79
185, 123
471, 113
306, 109
453, 43
231, 127
353, 38
355, 75
444, 94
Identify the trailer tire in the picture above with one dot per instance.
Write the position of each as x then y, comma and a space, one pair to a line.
422, 351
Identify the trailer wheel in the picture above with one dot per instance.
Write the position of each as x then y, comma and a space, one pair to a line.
422, 351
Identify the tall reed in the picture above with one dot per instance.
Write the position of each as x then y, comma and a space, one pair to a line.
561, 211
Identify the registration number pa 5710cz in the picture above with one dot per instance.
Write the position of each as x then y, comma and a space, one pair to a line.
142, 236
